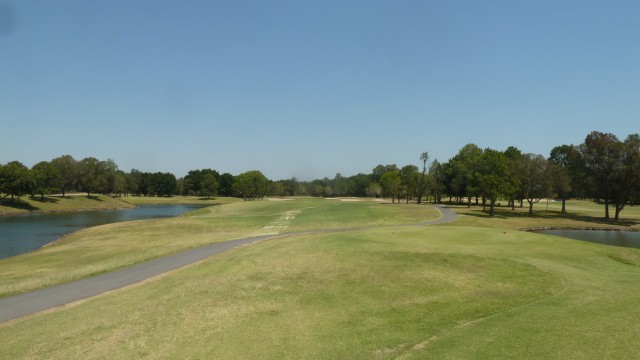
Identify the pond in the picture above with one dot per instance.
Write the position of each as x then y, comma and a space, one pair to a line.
629, 239
23, 233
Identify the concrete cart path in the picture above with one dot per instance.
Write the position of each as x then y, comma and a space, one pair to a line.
21, 305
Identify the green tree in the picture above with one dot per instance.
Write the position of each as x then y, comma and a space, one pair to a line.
560, 183
208, 185
251, 185
391, 183
15, 180
374, 190
46, 178
409, 181
602, 153
626, 178
534, 179
437, 180
88, 174
493, 176
464, 167
422, 182
67, 167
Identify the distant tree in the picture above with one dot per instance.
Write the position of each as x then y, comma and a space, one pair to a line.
374, 190
514, 163
391, 183
106, 176
422, 182
121, 183
570, 158
163, 184
15, 180
602, 153
409, 178
493, 176
534, 179
560, 183
67, 167
626, 178
376, 173
464, 167
226, 184
208, 185
437, 180
251, 185
88, 174
46, 178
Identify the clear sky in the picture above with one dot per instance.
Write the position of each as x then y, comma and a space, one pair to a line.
310, 88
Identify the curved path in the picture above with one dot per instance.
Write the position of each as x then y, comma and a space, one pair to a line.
15, 307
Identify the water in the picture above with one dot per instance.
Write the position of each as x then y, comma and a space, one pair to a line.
23, 233
629, 239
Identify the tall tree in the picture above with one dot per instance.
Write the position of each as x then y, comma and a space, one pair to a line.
422, 184
15, 179
391, 183
67, 167
409, 181
251, 185
46, 178
493, 176
534, 179
209, 185
437, 179
626, 178
560, 183
602, 153
88, 174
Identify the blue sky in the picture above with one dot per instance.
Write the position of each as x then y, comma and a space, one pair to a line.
310, 88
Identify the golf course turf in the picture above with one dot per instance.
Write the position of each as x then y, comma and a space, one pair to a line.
471, 289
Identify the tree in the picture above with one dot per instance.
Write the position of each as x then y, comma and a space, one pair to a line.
88, 174
209, 185
534, 179
66, 166
514, 162
46, 178
15, 179
226, 184
422, 184
464, 167
560, 183
391, 182
251, 185
602, 153
374, 190
626, 178
409, 181
437, 179
493, 176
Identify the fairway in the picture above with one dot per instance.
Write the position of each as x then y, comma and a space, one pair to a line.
443, 292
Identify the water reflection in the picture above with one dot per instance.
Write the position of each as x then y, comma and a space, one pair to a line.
629, 239
24, 233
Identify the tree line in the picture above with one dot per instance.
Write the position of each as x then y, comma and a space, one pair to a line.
602, 168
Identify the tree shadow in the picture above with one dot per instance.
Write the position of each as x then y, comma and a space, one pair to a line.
44, 200
18, 204
507, 213
94, 197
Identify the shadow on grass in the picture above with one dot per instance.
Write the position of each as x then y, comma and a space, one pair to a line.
93, 197
507, 213
44, 199
19, 204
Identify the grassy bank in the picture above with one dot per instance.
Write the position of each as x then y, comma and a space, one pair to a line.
104, 248
75, 202
178, 200
444, 292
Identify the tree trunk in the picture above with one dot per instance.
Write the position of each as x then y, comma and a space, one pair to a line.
513, 203
492, 203
469, 201
564, 207
606, 208
530, 201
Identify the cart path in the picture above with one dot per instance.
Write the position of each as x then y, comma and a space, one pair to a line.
17, 306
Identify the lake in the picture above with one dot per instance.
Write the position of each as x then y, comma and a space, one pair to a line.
23, 233
629, 239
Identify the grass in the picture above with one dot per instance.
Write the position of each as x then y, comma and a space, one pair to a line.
580, 214
178, 200
438, 292
27, 205
105, 248
476, 289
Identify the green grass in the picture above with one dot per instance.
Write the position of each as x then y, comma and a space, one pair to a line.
178, 200
27, 205
443, 292
477, 289
580, 214
105, 248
